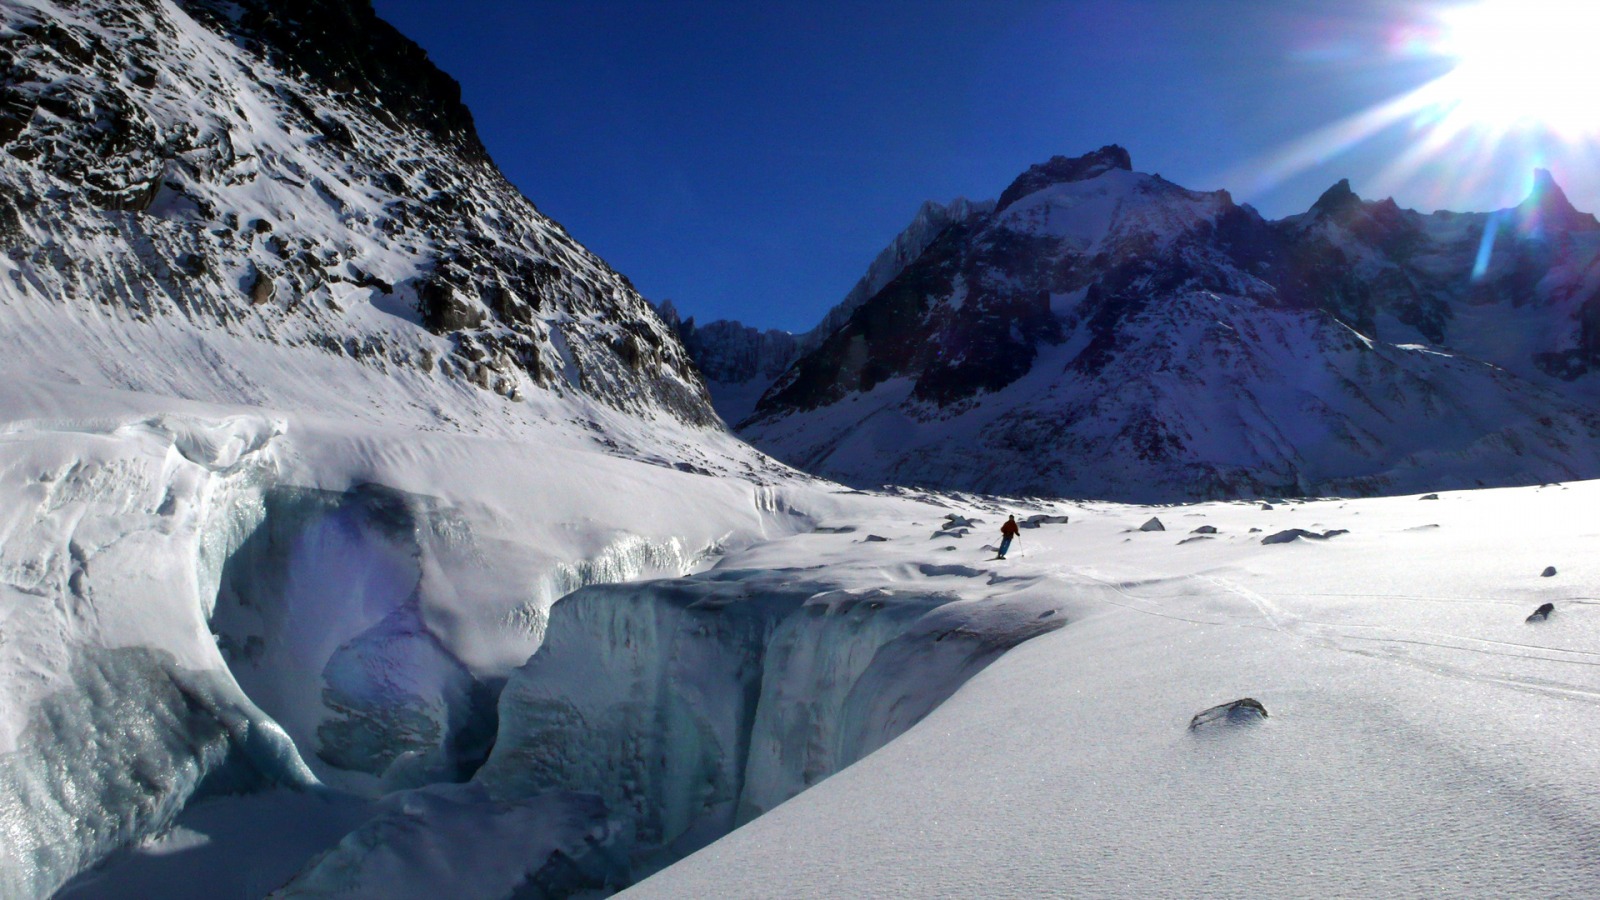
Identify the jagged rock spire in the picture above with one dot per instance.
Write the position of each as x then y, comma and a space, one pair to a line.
1547, 207
1336, 199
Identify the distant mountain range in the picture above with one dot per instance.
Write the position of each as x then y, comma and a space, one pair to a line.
1102, 332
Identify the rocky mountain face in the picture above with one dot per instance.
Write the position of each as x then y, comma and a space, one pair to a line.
1108, 333
931, 219
739, 363
293, 173
726, 351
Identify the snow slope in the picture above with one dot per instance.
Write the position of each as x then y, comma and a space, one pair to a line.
294, 174
1421, 738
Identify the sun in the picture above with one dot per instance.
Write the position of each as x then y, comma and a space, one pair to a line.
1523, 64
1515, 88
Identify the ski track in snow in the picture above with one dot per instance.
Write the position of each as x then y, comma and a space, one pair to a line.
1339, 637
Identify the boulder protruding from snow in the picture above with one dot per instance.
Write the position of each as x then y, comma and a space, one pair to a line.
1205, 529
1037, 520
1247, 709
1542, 613
1549, 572
1429, 497
1295, 534
1153, 525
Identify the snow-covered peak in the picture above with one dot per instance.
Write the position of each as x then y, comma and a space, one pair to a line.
740, 362
1062, 169
1106, 332
931, 219
1115, 203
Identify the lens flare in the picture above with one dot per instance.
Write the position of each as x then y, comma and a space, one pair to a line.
1524, 63
1523, 81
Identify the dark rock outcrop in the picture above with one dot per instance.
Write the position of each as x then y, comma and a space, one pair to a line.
1237, 712
1295, 534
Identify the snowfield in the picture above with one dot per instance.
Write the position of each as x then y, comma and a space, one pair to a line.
1422, 739
1021, 725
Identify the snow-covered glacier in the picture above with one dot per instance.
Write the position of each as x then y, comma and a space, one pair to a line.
116, 708
203, 602
198, 599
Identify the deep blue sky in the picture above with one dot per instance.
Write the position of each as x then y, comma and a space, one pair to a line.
748, 159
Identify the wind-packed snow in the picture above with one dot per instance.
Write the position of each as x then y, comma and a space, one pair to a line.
1117, 204
1421, 736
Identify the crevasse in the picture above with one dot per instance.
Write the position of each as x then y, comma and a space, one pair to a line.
692, 705
158, 582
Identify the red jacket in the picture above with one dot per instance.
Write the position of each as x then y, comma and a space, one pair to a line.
1009, 529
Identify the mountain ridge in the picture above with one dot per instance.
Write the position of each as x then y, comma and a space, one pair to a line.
1101, 275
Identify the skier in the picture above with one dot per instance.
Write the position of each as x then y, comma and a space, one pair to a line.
1007, 531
